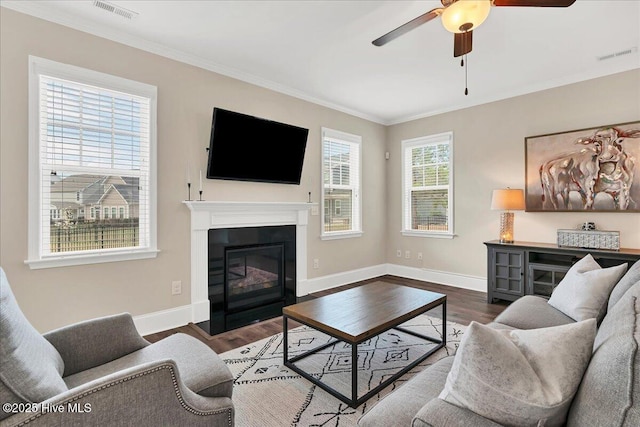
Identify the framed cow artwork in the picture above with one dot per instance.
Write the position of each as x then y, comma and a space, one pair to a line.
595, 169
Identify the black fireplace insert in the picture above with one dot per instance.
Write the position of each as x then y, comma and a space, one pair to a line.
252, 275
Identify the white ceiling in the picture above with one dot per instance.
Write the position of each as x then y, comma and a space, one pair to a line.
321, 51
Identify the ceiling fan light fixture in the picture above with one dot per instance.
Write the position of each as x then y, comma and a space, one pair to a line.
465, 15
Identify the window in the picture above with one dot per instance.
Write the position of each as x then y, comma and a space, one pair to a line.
121, 212
428, 186
92, 138
341, 184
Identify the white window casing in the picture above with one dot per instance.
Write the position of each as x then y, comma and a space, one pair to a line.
92, 136
341, 185
427, 186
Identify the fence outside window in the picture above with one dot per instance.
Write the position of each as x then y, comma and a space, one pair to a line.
83, 236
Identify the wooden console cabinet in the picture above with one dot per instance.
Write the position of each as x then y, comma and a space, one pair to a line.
528, 268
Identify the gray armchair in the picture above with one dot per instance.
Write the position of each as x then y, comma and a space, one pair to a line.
102, 372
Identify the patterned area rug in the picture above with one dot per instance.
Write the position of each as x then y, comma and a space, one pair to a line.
267, 394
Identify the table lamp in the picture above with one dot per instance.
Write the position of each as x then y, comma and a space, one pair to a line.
507, 200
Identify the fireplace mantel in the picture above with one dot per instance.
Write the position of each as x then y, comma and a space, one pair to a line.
207, 215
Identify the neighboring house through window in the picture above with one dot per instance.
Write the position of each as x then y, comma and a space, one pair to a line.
341, 184
427, 186
92, 144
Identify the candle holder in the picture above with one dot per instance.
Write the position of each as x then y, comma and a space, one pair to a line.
200, 194
189, 191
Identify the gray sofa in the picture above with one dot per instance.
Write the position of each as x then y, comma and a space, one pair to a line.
102, 372
609, 394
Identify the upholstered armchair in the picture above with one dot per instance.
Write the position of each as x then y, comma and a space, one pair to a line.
102, 373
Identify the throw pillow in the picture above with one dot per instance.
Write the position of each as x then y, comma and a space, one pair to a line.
584, 291
520, 377
31, 367
628, 280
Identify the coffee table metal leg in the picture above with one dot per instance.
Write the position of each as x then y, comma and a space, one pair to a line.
285, 340
354, 375
444, 323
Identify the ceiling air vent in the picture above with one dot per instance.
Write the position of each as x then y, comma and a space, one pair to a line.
120, 11
616, 54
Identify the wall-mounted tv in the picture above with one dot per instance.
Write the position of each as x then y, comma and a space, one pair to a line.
248, 148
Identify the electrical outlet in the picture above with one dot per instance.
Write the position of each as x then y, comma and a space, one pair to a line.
316, 263
419, 255
314, 210
176, 287
407, 254
399, 253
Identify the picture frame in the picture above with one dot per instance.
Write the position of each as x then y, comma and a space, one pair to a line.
586, 170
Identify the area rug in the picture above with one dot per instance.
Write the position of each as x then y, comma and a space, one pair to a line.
267, 394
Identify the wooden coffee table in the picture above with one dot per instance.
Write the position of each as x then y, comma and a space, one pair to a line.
358, 314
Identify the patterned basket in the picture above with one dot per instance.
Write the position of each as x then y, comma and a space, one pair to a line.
589, 239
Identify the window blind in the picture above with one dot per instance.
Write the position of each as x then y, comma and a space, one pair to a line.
341, 181
427, 184
94, 168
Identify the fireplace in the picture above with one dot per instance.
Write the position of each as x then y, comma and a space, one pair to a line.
252, 274
211, 215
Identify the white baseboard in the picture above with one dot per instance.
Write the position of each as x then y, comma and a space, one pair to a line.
338, 279
179, 316
457, 280
158, 321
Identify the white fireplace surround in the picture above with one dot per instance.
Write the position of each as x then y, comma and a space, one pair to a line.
210, 215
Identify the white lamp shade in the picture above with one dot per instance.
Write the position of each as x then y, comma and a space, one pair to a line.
507, 199
462, 12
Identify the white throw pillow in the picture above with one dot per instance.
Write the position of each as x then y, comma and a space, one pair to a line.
520, 377
584, 291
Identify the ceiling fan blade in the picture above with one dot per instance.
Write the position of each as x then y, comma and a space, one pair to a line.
462, 43
405, 28
534, 3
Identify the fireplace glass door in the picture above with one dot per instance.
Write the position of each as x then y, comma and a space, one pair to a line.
253, 275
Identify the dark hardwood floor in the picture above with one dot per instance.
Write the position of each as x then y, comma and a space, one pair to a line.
463, 306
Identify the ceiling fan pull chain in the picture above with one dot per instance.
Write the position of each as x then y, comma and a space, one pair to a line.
466, 64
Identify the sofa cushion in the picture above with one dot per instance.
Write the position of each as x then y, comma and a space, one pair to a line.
531, 312
628, 280
400, 406
31, 367
584, 290
201, 370
520, 377
437, 412
612, 380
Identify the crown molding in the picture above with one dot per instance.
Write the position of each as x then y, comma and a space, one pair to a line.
525, 90
43, 11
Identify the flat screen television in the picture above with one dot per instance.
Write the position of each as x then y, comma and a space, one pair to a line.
248, 148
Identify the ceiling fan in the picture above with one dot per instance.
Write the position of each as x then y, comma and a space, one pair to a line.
461, 17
